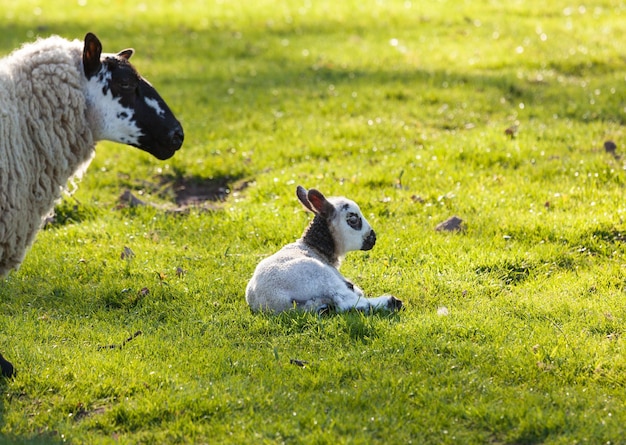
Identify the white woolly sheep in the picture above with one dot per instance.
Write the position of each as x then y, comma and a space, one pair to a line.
304, 274
57, 99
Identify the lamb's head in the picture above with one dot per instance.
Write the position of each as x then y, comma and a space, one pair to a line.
338, 227
124, 107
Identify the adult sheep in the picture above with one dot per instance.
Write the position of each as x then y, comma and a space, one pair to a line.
57, 99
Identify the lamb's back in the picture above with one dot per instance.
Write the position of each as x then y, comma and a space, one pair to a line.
295, 272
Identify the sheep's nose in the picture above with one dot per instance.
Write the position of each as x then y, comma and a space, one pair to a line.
176, 137
369, 241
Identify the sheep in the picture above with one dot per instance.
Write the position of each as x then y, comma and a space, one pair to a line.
304, 275
57, 99
6, 367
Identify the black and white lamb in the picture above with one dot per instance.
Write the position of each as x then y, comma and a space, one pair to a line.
57, 99
304, 274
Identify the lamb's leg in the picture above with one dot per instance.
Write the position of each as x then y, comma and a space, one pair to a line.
6, 367
354, 298
320, 305
388, 302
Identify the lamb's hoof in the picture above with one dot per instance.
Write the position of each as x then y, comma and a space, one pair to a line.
6, 367
323, 310
394, 304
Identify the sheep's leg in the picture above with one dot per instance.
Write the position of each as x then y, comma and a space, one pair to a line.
6, 367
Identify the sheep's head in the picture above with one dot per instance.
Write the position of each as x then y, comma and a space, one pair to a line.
347, 228
124, 106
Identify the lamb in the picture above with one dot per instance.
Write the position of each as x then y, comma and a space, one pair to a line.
57, 99
304, 275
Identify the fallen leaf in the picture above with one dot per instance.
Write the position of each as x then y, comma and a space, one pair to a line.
127, 253
511, 131
300, 363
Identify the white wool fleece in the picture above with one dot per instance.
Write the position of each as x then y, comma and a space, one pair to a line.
45, 137
304, 275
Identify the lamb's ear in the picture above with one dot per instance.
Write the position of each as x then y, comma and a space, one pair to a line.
320, 203
301, 193
91, 55
126, 53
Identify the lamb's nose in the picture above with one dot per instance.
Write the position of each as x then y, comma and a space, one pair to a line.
369, 242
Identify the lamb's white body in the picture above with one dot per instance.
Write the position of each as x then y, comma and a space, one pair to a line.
304, 274
299, 277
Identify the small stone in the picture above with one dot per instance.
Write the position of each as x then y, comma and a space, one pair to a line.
451, 224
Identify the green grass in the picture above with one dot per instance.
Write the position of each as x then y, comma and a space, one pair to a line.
401, 106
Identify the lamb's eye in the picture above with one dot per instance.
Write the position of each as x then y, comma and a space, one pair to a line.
354, 221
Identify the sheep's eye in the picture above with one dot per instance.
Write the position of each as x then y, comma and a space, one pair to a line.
354, 221
124, 82
127, 84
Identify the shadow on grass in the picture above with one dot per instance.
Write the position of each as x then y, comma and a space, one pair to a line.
356, 325
182, 191
193, 190
38, 439
302, 77
43, 439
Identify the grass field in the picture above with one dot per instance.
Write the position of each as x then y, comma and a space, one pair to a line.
495, 112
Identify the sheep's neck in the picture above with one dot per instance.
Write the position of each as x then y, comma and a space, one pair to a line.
318, 237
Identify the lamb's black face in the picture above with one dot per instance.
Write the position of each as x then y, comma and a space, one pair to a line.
128, 109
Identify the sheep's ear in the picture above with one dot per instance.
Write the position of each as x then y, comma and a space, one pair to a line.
126, 53
91, 55
302, 197
320, 203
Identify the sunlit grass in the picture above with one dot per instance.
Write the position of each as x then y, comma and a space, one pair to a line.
512, 331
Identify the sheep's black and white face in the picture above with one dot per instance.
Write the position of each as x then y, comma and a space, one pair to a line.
127, 109
350, 229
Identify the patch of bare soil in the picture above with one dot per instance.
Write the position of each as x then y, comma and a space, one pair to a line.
193, 191
185, 192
